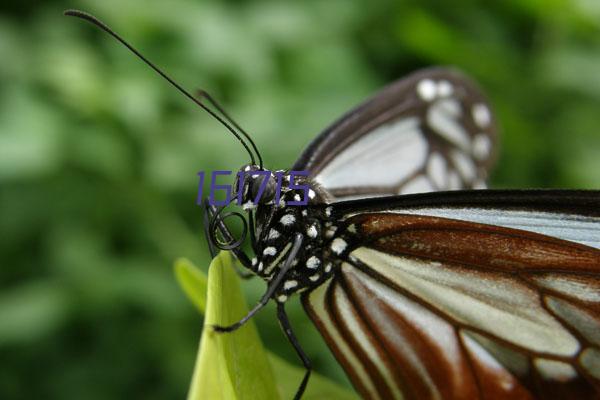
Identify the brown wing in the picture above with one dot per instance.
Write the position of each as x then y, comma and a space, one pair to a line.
425, 307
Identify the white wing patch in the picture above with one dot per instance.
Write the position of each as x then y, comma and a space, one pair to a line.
370, 161
474, 298
316, 300
443, 116
583, 288
435, 132
366, 343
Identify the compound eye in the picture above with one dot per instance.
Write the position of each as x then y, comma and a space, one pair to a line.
269, 191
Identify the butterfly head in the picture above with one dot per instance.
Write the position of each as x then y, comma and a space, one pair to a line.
254, 189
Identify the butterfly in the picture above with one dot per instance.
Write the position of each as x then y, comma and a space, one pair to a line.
423, 284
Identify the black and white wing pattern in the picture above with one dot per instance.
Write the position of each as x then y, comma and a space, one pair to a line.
423, 306
433, 130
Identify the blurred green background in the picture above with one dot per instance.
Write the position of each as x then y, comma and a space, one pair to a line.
98, 157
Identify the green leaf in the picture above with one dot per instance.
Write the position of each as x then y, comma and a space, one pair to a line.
230, 365
236, 365
193, 282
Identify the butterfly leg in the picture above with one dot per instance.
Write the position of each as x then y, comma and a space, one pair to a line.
289, 333
271, 289
209, 213
206, 217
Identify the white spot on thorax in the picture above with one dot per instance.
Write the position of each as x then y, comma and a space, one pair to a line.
328, 211
338, 245
269, 251
287, 219
352, 228
290, 284
330, 232
313, 262
273, 234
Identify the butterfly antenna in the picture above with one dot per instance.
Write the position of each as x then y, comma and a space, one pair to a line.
90, 18
203, 93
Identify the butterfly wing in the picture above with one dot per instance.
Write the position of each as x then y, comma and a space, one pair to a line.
424, 306
432, 130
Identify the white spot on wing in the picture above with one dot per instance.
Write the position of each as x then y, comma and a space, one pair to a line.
454, 182
555, 370
314, 278
427, 89
479, 184
590, 359
482, 146
418, 185
464, 164
273, 234
444, 88
436, 169
311, 231
580, 319
571, 285
481, 115
442, 117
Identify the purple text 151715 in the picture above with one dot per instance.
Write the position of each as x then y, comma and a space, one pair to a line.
241, 177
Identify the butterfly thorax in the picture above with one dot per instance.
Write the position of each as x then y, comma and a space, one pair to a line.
278, 224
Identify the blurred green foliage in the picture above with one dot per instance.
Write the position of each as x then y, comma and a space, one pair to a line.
98, 157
